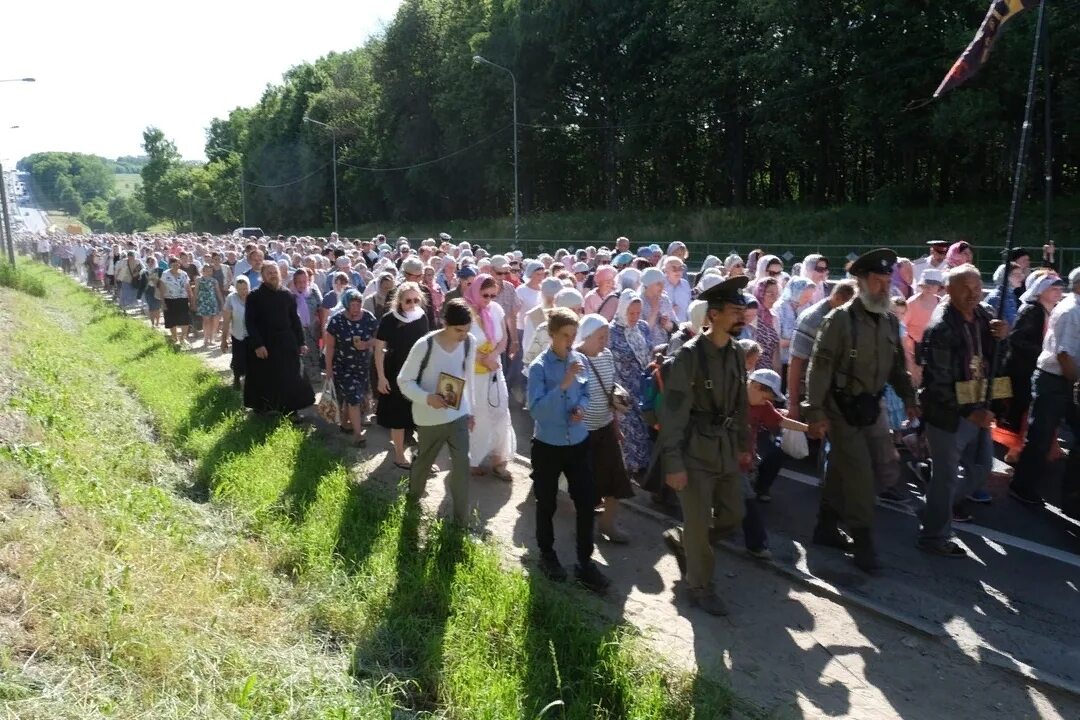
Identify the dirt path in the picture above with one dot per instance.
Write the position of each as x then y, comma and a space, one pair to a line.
785, 648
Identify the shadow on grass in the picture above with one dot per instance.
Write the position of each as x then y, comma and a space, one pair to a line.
408, 643
214, 406
312, 465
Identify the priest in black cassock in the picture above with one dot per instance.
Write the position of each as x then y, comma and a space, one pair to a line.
274, 345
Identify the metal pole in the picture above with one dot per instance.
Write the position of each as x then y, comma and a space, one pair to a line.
333, 156
243, 204
1048, 159
7, 219
1018, 175
516, 216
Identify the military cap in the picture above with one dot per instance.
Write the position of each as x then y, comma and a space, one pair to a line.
728, 291
878, 261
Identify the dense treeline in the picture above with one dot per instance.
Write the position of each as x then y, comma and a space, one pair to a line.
651, 104
84, 186
632, 104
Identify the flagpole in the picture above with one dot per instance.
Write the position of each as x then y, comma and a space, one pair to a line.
1048, 159
1018, 176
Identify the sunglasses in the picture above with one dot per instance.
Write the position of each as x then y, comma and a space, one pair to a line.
775, 273
502, 272
822, 268
489, 296
410, 301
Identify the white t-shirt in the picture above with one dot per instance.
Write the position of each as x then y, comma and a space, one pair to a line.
454, 364
529, 299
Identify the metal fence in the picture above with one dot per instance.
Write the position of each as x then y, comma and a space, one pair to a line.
986, 258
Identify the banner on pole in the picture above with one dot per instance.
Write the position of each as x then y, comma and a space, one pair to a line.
976, 54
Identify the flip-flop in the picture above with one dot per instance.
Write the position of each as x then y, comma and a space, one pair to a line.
502, 473
403, 466
947, 549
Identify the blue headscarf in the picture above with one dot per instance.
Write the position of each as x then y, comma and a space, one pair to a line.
348, 295
794, 289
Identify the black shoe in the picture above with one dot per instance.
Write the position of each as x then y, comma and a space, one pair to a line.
591, 578
552, 568
892, 494
864, 556
1024, 495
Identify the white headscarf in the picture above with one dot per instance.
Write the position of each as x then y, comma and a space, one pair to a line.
628, 279
588, 325
634, 337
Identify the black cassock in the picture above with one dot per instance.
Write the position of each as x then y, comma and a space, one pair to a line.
275, 384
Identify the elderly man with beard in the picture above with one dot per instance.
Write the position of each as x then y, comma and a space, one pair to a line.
275, 343
856, 354
957, 351
704, 430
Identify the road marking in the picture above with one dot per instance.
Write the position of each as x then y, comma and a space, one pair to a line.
997, 536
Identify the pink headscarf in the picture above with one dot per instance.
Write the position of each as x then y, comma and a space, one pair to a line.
764, 314
472, 296
952, 257
604, 272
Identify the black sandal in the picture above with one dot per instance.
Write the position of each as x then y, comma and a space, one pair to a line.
344, 430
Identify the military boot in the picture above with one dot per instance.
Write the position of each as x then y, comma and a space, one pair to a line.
865, 557
827, 533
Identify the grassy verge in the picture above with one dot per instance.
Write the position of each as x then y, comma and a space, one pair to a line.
404, 613
16, 277
836, 231
127, 183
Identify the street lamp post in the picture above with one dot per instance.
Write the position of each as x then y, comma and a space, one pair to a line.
6, 218
18, 80
333, 158
478, 59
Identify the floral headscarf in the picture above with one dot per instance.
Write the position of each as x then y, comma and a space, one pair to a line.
634, 337
794, 289
765, 315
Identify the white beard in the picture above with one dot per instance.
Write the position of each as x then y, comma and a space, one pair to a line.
879, 305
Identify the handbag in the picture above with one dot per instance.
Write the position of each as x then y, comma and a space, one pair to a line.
618, 397
328, 407
793, 444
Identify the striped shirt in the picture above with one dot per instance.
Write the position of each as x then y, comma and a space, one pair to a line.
598, 414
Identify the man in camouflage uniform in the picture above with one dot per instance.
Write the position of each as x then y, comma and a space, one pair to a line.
704, 428
856, 353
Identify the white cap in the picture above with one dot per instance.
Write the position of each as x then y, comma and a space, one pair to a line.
650, 276
580, 267
768, 378
551, 286
932, 275
499, 262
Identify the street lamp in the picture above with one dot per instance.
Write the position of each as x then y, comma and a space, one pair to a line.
18, 80
478, 59
333, 156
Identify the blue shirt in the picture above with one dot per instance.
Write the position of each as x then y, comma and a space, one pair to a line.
551, 406
254, 276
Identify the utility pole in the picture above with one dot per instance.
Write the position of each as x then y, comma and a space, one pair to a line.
333, 159
478, 60
7, 218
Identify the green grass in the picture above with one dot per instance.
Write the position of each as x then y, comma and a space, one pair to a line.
127, 183
837, 231
17, 278
408, 613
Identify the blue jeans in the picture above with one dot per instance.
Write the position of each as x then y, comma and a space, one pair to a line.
1051, 402
971, 447
771, 461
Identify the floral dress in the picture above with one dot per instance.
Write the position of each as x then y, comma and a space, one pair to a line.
351, 366
637, 445
769, 340
206, 297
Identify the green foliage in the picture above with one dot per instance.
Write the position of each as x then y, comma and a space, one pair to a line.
67, 181
16, 277
635, 105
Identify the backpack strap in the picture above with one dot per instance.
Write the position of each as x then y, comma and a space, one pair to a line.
425, 359
465, 357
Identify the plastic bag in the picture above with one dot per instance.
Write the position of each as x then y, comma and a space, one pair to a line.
793, 443
328, 408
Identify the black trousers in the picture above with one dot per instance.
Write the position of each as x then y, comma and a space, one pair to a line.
548, 462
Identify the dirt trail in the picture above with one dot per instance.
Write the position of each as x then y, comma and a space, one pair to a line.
783, 647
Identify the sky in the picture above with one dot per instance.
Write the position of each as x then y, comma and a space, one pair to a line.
106, 70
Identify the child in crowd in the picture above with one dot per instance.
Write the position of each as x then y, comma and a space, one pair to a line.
752, 351
762, 389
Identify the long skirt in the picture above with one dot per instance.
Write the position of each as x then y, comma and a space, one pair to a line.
607, 464
493, 435
129, 295
177, 312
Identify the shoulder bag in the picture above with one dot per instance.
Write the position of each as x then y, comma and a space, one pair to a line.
618, 397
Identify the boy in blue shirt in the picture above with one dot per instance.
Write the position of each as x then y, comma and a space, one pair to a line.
558, 393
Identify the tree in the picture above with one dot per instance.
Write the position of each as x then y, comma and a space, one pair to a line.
163, 157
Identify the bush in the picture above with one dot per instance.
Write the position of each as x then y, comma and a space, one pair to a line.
18, 278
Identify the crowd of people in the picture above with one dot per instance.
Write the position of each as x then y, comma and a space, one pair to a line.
638, 368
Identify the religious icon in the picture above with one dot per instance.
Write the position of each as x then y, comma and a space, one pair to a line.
451, 389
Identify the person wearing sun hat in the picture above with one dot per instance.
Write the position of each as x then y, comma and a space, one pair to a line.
857, 352
704, 430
